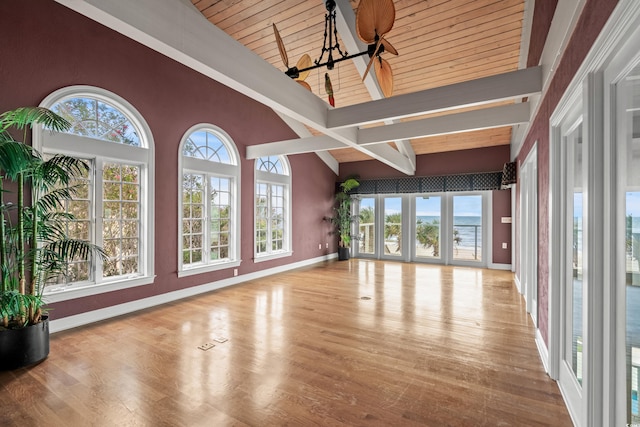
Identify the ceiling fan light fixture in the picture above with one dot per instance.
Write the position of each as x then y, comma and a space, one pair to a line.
374, 19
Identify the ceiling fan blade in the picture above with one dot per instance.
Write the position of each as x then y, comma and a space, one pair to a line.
304, 62
374, 56
388, 47
305, 85
374, 17
283, 52
384, 75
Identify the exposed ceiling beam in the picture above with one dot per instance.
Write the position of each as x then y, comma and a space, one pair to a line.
303, 132
512, 85
293, 146
179, 31
176, 29
504, 115
346, 25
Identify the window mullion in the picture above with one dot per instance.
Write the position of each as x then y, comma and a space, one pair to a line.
269, 218
206, 223
98, 217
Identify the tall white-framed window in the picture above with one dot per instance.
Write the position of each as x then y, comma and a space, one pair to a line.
114, 207
209, 212
272, 208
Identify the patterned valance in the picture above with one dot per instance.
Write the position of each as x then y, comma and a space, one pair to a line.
431, 184
509, 174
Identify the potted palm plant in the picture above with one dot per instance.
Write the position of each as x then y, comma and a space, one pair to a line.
35, 247
343, 217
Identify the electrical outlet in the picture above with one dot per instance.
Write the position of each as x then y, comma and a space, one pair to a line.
206, 346
504, 245
327, 245
319, 245
235, 272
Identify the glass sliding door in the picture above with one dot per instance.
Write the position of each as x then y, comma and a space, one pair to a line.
366, 243
466, 234
428, 227
392, 227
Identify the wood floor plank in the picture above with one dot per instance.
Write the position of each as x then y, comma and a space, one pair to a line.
337, 344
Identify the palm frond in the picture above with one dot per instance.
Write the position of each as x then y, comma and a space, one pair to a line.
59, 170
54, 258
23, 117
54, 199
15, 157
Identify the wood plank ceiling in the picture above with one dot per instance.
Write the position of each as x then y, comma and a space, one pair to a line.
440, 42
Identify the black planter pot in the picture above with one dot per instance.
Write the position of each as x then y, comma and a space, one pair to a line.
343, 254
24, 347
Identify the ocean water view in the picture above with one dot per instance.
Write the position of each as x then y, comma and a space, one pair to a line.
466, 226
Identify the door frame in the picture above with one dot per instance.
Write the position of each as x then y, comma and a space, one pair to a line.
529, 235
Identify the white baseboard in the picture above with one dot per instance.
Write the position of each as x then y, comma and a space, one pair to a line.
542, 350
493, 266
82, 319
518, 286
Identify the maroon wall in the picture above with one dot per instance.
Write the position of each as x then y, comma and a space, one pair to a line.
490, 159
501, 231
593, 18
46, 46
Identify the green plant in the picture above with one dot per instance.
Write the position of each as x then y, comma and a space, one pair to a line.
393, 229
428, 235
343, 218
35, 247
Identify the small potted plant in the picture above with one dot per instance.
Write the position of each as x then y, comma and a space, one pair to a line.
343, 217
34, 247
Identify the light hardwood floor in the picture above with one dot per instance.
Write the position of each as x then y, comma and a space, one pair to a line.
342, 343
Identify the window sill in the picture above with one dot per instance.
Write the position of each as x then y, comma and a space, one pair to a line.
206, 268
64, 293
269, 257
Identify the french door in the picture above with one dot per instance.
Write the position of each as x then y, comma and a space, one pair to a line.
571, 151
447, 228
627, 98
529, 233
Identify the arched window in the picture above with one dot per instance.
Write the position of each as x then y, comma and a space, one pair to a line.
114, 207
209, 203
272, 208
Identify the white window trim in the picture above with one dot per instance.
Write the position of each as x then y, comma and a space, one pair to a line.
44, 140
222, 170
277, 179
601, 404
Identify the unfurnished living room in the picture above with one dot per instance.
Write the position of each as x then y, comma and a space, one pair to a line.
327, 212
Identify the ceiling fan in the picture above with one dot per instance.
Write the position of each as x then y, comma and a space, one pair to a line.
374, 20
303, 63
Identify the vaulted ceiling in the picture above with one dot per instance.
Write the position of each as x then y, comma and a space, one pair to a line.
459, 78
440, 42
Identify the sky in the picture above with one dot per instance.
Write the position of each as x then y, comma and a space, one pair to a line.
633, 204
